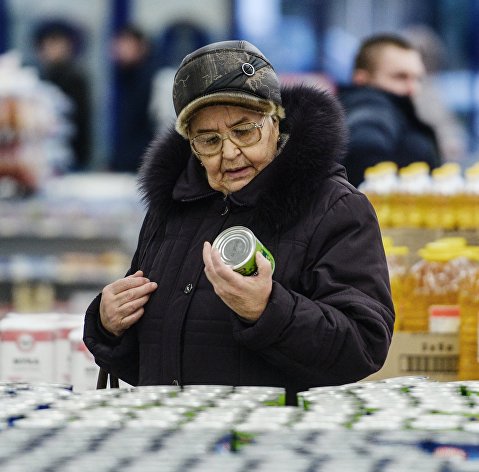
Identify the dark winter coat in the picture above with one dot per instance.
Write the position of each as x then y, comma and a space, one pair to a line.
384, 127
329, 318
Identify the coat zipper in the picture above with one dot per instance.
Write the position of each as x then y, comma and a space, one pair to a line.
227, 206
179, 380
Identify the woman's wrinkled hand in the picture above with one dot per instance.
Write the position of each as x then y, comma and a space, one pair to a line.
246, 296
122, 302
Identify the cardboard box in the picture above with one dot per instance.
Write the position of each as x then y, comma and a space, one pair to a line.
421, 354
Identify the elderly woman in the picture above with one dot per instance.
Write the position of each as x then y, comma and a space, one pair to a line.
246, 153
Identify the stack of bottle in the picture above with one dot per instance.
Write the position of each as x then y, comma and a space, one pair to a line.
398, 263
439, 293
33, 128
432, 284
415, 197
469, 307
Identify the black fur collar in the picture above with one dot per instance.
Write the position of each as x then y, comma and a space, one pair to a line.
317, 138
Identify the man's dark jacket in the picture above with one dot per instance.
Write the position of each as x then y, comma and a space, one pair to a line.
133, 127
384, 127
329, 318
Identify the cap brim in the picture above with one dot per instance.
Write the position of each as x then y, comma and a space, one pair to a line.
238, 99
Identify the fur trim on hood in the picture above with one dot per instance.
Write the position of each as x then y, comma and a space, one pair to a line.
317, 140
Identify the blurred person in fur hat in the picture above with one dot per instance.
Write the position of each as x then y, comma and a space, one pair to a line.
246, 153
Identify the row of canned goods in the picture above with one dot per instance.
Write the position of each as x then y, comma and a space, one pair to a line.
149, 449
402, 403
382, 425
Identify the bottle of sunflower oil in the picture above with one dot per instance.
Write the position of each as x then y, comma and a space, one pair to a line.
407, 206
422, 184
467, 200
369, 186
398, 262
432, 281
378, 185
469, 306
446, 183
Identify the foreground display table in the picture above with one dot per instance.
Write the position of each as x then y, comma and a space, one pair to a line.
390, 425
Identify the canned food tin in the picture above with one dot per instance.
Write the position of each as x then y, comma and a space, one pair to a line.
237, 247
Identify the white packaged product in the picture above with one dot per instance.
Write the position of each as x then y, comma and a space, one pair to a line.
27, 348
84, 371
66, 323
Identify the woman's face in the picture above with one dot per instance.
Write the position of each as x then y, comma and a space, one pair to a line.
233, 166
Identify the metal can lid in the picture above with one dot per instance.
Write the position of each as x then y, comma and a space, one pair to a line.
236, 245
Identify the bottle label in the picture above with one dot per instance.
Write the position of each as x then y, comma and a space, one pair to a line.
444, 318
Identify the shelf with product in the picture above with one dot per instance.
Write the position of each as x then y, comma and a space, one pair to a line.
444, 199
434, 278
430, 225
75, 236
59, 231
375, 425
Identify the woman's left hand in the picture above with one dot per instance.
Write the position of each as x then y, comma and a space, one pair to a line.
247, 296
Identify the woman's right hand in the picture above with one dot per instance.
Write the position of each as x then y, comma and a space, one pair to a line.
122, 302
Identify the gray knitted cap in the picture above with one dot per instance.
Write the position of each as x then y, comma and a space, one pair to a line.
225, 73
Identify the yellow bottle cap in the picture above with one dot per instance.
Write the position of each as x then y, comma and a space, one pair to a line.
419, 166
396, 251
444, 255
452, 241
388, 166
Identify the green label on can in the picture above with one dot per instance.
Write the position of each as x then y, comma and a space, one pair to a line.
249, 267
238, 246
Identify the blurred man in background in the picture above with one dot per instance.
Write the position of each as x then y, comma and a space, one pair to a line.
381, 117
58, 44
132, 124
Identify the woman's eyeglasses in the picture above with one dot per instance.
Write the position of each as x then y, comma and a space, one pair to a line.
242, 135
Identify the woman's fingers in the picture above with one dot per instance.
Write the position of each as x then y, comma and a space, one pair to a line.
134, 293
128, 308
247, 296
223, 270
216, 270
126, 283
131, 319
264, 265
123, 300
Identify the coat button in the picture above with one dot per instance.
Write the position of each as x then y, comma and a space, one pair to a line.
188, 288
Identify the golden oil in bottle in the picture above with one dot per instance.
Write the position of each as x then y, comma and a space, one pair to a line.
433, 280
408, 206
469, 305
379, 182
397, 259
446, 183
466, 203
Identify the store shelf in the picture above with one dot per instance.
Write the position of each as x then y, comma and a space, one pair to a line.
76, 235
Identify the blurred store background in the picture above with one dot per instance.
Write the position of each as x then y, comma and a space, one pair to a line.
69, 209
316, 38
